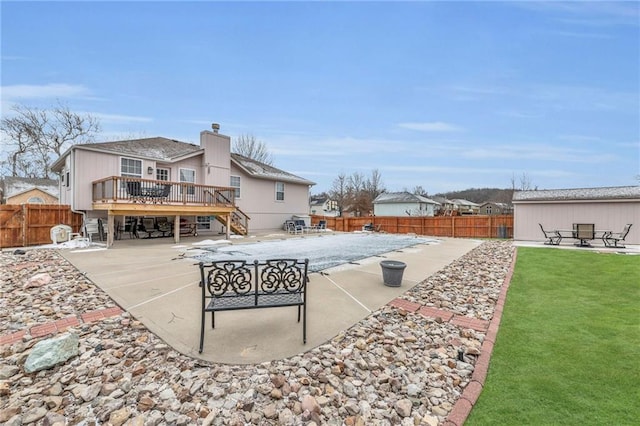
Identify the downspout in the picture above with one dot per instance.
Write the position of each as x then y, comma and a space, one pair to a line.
72, 173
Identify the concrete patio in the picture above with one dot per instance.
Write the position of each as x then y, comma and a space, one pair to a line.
154, 282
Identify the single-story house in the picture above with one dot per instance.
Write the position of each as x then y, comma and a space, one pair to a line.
199, 188
608, 208
403, 204
19, 190
492, 208
323, 206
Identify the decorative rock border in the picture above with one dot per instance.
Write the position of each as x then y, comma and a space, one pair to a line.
61, 325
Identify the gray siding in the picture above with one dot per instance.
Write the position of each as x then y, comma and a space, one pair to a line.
606, 215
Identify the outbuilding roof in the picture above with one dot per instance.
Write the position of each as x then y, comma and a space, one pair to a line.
604, 193
401, 197
13, 186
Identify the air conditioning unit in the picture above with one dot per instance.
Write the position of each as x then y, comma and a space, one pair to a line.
60, 233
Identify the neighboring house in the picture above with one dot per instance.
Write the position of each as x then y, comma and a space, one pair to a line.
203, 186
323, 207
446, 206
18, 190
492, 208
403, 204
609, 208
465, 206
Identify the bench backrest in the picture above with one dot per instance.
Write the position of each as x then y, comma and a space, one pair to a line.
230, 278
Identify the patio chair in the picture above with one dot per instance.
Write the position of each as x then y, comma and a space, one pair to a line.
164, 195
322, 225
148, 226
134, 189
163, 225
553, 237
93, 226
293, 228
611, 239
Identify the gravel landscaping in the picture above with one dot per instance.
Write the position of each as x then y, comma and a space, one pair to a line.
392, 368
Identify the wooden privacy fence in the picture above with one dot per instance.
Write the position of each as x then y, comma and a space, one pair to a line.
30, 224
473, 226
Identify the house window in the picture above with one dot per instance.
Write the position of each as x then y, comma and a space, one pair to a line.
203, 222
188, 175
162, 174
235, 183
279, 191
130, 167
66, 179
35, 200
488, 209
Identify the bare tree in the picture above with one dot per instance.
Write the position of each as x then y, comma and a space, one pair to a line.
524, 183
356, 191
374, 185
419, 190
250, 147
36, 137
340, 192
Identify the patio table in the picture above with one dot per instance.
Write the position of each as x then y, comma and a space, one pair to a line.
584, 232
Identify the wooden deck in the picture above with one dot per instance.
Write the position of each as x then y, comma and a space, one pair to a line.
124, 196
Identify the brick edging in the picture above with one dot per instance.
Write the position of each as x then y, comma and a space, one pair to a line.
471, 393
464, 404
60, 325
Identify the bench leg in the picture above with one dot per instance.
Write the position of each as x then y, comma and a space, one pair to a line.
213, 319
202, 331
304, 323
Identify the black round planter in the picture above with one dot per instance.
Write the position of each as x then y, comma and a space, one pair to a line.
392, 271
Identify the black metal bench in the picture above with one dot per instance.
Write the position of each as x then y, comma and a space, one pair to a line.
230, 285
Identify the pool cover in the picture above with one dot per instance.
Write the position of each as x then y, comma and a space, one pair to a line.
322, 251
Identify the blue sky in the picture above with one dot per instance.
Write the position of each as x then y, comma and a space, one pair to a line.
445, 95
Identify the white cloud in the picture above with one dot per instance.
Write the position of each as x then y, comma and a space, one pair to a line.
435, 126
541, 152
116, 118
53, 90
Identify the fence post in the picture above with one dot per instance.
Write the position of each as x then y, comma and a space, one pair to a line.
25, 220
490, 228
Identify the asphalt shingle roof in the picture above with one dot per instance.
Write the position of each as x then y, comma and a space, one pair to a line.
604, 193
265, 171
401, 197
157, 148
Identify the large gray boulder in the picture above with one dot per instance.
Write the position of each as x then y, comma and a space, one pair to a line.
50, 352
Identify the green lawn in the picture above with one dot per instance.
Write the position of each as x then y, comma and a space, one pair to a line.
568, 347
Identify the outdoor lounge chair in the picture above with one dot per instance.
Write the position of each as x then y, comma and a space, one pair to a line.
611, 239
553, 237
